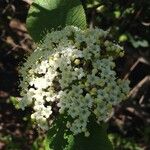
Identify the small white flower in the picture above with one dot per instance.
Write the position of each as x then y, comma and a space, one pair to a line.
71, 73
87, 134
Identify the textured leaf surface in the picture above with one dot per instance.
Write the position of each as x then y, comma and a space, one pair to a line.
60, 139
98, 139
56, 135
45, 15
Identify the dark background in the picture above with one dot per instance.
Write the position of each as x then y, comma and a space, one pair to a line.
129, 24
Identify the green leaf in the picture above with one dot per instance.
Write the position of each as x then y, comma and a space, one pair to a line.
136, 42
98, 139
45, 15
46, 143
56, 135
59, 138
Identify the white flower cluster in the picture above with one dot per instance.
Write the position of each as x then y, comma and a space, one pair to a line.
72, 73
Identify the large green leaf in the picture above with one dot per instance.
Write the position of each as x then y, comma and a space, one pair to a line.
98, 139
58, 137
45, 15
55, 139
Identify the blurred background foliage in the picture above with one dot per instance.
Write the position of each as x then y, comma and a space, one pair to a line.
128, 22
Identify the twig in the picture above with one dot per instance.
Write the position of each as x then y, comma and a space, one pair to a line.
139, 60
136, 89
92, 21
141, 99
138, 13
131, 69
146, 23
134, 111
28, 1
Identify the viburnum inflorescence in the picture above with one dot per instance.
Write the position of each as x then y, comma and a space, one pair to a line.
72, 73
